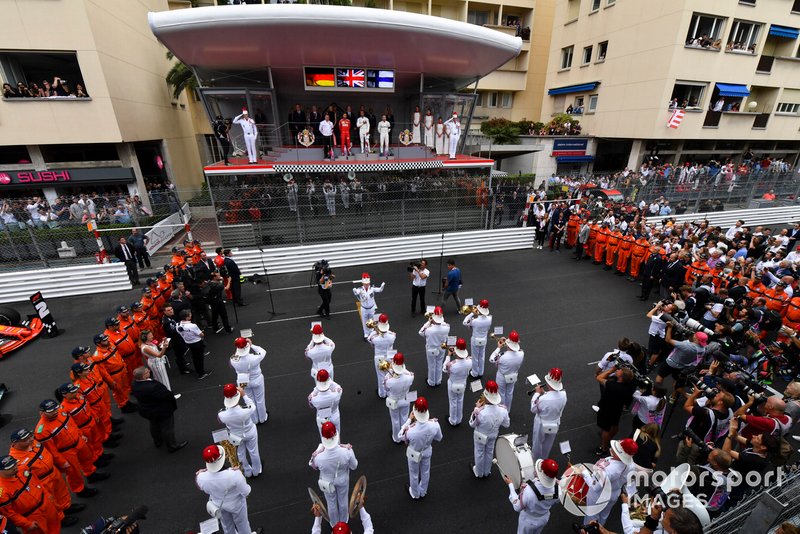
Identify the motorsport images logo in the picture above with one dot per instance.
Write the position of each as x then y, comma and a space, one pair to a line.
574, 490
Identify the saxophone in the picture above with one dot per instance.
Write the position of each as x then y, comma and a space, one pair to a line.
231, 453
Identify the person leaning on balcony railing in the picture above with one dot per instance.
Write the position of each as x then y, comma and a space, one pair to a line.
8, 91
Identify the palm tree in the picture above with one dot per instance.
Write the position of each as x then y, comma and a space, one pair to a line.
180, 77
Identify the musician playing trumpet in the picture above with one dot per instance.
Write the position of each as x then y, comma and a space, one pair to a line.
242, 432
457, 368
486, 419
508, 358
397, 383
435, 331
320, 351
325, 400
382, 340
480, 322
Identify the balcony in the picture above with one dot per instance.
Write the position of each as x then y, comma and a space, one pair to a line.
781, 43
34, 76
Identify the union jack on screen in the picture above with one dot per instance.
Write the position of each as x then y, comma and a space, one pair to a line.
350, 77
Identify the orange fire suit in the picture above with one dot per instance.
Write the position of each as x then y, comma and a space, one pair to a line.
611, 246
39, 460
600, 244
96, 394
624, 252
24, 500
114, 366
65, 442
572, 230
638, 254
127, 348
81, 413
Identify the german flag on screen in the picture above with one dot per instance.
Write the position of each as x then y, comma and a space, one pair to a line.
320, 77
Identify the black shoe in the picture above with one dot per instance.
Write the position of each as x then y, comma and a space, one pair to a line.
107, 456
178, 447
97, 477
454, 426
204, 375
75, 508
229, 329
115, 436
87, 492
130, 407
110, 444
69, 520
101, 463
117, 420
218, 330
241, 303
186, 372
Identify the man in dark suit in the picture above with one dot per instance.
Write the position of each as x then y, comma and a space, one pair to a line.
156, 404
235, 274
298, 121
673, 275
651, 272
125, 253
204, 268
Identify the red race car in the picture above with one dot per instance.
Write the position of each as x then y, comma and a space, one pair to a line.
15, 333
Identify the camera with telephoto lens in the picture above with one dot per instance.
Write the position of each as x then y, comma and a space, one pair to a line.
413, 265
126, 524
707, 391
687, 328
321, 265
705, 447
640, 381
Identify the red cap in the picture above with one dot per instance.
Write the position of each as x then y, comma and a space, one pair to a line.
629, 446
230, 391
364, 275
317, 329
340, 528
383, 318
555, 374
438, 310
399, 359
491, 386
328, 430
461, 344
322, 375
550, 468
240, 342
513, 336
421, 404
211, 454
484, 303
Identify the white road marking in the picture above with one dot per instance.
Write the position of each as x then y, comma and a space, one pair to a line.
304, 317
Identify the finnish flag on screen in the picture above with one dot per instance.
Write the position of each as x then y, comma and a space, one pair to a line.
386, 79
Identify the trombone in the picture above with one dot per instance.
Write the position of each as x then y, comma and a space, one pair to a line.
466, 310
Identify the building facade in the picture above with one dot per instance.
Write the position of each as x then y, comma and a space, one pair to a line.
623, 67
113, 125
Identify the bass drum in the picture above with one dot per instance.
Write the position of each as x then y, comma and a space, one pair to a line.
513, 457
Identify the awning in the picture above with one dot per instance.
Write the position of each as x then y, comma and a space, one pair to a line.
580, 88
732, 89
783, 31
574, 159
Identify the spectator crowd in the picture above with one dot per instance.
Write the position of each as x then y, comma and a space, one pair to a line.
38, 212
57, 89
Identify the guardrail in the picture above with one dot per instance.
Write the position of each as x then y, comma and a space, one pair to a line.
165, 229
64, 282
752, 217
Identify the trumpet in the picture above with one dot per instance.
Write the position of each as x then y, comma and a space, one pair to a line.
384, 365
500, 339
371, 323
466, 310
481, 401
428, 315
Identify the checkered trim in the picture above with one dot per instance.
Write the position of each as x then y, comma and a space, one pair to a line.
360, 167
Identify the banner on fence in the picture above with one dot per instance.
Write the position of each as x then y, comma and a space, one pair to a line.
165, 229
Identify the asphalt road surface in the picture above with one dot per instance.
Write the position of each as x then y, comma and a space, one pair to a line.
568, 314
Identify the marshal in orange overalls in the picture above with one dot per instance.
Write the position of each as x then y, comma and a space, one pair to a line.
600, 244
126, 347
611, 247
80, 411
62, 438
624, 253
24, 500
572, 230
96, 394
696, 271
791, 314
32, 455
638, 254
112, 363
592, 240
777, 298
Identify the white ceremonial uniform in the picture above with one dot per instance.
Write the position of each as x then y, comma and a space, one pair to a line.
382, 344
435, 335
429, 131
363, 132
480, 327
239, 422
486, 420
397, 387
420, 437
329, 191
327, 400
344, 190
366, 297
457, 369
455, 132
416, 138
508, 364
611, 471
384, 127
250, 132
321, 356
291, 196
366, 522
547, 409
251, 364
533, 511
334, 466
441, 139
228, 489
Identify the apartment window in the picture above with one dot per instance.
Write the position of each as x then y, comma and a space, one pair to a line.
479, 100
602, 49
506, 100
705, 31
595, 5
748, 2
478, 17
491, 100
31, 68
573, 9
566, 57
587, 55
14, 155
788, 108
796, 6
592, 104
687, 94
611, 2
743, 37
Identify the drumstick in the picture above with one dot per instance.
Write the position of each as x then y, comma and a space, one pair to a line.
494, 461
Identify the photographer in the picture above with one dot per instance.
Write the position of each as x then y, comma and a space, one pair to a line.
222, 129
126, 524
684, 356
704, 422
418, 274
774, 421
324, 284
754, 458
617, 393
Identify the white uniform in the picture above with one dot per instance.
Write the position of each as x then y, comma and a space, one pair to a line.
291, 196
534, 512
384, 127
610, 471
239, 422
250, 132
435, 335
382, 343
547, 409
366, 296
363, 132
251, 364
344, 190
429, 131
508, 364
416, 138
419, 437
327, 401
441, 139
321, 356
366, 522
397, 387
228, 490
480, 327
457, 369
329, 191
486, 420
334, 466
455, 132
